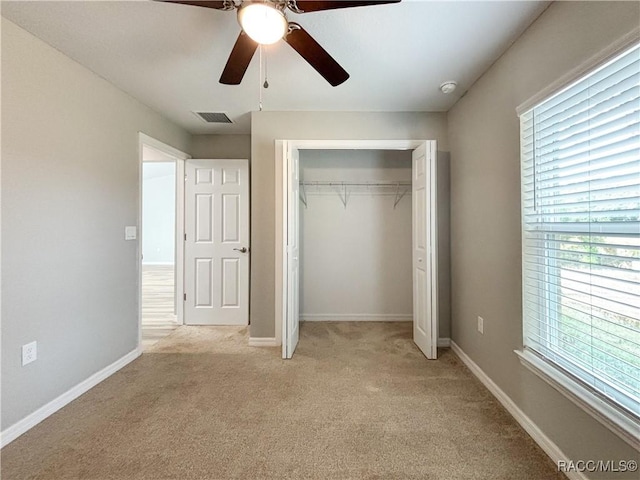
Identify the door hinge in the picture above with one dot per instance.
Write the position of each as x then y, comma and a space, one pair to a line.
185, 237
184, 297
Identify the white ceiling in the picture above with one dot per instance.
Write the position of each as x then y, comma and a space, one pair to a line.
170, 56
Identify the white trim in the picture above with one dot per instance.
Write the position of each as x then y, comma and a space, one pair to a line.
263, 342
163, 147
179, 245
355, 144
599, 58
31, 420
355, 317
433, 242
616, 421
549, 447
281, 214
444, 342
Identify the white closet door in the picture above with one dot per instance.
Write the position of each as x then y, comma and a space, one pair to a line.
293, 253
425, 329
216, 242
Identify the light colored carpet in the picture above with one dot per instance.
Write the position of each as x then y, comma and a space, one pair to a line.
358, 401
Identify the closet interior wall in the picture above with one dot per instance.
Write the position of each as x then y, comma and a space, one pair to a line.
355, 235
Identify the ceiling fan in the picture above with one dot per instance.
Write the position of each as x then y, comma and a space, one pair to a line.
265, 22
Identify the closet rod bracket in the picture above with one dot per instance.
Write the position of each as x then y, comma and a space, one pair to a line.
343, 196
399, 195
303, 194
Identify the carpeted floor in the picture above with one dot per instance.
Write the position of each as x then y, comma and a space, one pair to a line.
358, 401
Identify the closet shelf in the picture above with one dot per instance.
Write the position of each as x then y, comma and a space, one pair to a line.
355, 184
397, 188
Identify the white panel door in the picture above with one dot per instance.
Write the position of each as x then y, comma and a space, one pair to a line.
216, 247
293, 252
424, 252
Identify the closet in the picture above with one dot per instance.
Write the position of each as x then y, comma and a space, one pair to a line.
355, 235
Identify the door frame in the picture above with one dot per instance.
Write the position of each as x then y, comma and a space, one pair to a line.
282, 194
179, 157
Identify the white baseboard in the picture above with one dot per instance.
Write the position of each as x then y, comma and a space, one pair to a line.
31, 420
444, 342
263, 342
355, 317
525, 422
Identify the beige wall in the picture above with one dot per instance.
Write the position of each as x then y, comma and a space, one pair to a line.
485, 213
356, 259
69, 187
221, 146
266, 127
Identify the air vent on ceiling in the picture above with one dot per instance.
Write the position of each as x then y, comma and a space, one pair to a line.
214, 117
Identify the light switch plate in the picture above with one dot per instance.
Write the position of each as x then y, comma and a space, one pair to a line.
130, 233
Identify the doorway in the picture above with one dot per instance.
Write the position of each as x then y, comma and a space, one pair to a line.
424, 237
194, 241
355, 236
158, 276
160, 247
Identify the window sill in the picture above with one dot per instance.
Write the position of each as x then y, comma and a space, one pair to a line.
611, 417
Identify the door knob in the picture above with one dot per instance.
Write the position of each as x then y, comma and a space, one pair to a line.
241, 250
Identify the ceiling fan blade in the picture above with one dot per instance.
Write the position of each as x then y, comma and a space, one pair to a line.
306, 6
239, 60
315, 55
217, 4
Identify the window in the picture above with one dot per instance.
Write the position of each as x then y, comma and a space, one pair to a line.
580, 152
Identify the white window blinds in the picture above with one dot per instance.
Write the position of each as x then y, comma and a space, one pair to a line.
581, 230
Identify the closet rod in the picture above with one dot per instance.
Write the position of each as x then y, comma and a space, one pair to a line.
354, 184
343, 185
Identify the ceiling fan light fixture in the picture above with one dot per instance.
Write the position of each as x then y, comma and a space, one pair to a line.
263, 23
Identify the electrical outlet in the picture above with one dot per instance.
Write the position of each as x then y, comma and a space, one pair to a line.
29, 353
481, 325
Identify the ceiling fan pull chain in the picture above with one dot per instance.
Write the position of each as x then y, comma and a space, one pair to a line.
259, 78
266, 69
